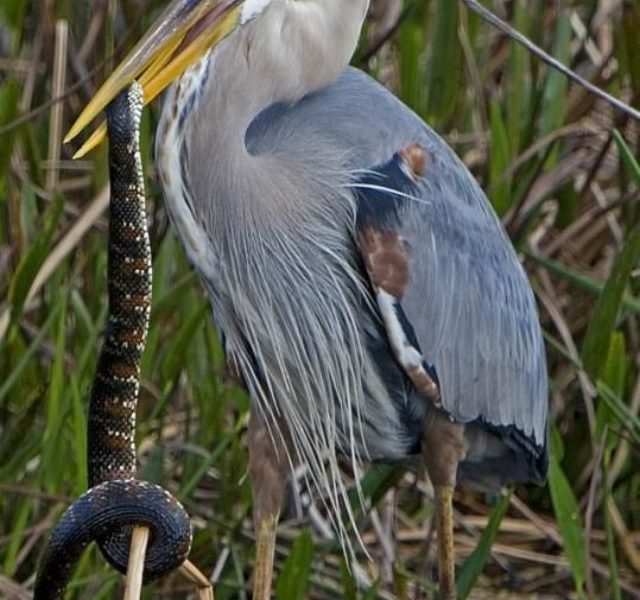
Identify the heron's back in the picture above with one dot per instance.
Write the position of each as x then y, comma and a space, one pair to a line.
468, 301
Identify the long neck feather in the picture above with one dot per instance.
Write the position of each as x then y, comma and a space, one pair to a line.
270, 231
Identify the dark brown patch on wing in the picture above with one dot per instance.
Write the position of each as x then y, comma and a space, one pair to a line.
386, 260
415, 159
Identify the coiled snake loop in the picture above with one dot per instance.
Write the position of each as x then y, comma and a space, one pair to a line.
116, 500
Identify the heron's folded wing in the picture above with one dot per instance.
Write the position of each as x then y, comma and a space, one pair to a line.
455, 302
457, 305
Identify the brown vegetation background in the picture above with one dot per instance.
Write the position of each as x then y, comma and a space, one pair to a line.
558, 166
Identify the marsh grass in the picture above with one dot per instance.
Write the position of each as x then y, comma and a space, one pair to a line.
560, 168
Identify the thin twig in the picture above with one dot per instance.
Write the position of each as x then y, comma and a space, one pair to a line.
193, 574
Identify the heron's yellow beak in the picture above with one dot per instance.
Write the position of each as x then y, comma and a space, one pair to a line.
183, 34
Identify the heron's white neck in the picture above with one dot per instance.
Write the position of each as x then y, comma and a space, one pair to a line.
290, 49
266, 230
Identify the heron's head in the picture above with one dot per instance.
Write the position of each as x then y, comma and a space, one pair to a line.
316, 37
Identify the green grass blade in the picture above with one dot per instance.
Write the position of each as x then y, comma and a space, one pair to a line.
613, 375
580, 280
518, 107
56, 406
374, 485
12, 12
78, 403
413, 84
349, 584
18, 526
614, 576
557, 85
293, 580
9, 98
31, 262
628, 419
627, 156
569, 522
603, 320
628, 46
22, 364
443, 77
175, 356
500, 190
474, 564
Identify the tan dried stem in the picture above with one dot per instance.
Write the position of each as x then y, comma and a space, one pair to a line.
135, 569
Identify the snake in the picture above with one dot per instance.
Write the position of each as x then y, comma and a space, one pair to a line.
116, 499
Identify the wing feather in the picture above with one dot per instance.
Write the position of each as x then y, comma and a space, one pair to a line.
467, 300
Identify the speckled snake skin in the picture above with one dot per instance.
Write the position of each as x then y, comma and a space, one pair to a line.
117, 500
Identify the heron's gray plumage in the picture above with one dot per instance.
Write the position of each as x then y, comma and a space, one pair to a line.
468, 300
269, 215
367, 296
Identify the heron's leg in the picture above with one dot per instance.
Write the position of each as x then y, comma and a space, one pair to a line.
443, 447
444, 526
268, 470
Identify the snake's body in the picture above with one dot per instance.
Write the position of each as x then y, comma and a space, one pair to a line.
116, 500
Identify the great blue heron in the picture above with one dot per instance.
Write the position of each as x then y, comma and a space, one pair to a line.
366, 293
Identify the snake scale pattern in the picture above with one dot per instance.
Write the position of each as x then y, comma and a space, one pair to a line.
117, 500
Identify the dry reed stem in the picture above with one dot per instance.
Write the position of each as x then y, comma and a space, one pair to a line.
193, 574
139, 541
57, 110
